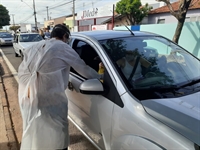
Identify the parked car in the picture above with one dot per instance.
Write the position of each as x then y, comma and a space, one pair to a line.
23, 40
6, 39
3, 32
159, 110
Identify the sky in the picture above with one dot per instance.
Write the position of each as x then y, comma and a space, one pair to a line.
21, 11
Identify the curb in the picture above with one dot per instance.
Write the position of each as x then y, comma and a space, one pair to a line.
7, 114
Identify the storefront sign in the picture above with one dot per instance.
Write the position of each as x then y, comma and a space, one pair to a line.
95, 12
99, 27
89, 13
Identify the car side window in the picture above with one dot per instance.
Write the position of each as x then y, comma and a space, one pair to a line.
91, 58
87, 53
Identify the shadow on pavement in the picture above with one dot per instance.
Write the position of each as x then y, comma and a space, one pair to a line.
1, 68
8, 146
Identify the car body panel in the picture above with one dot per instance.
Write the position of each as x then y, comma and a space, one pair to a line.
93, 112
176, 111
134, 124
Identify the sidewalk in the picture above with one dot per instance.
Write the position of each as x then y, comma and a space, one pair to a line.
8, 140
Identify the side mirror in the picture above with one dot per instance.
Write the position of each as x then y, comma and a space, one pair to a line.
92, 87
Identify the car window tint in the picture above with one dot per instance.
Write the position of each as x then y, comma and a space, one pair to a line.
91, 58
168, 63
87, 53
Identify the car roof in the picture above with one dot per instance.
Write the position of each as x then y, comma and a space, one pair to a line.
107, 34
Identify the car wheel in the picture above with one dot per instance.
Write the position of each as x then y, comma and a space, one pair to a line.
16, 55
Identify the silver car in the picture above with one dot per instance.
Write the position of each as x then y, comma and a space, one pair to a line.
6, 39
137, 106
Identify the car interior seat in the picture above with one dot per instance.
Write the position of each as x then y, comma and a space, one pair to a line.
88, 54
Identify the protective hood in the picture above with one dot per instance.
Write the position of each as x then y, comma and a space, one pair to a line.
182, 114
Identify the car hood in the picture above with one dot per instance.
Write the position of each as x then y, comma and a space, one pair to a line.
26, 44
182, 114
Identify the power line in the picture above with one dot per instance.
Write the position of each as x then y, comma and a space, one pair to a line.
27, 18
60, 5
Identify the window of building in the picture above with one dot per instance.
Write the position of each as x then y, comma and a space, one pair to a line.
161, 21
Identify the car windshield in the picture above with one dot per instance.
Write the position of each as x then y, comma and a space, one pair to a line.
5, 36
30, 38
152, 62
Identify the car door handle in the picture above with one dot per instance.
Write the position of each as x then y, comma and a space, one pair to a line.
70, 86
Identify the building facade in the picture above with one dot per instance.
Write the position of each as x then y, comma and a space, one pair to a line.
162, 15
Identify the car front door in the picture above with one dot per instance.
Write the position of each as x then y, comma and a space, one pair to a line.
92, 113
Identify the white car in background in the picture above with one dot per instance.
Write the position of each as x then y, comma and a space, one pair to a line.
23, 40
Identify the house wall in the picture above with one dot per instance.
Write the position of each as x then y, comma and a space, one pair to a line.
194, 15
49, 23
55, 21
59, 20
91, 21
189, 39
120, 22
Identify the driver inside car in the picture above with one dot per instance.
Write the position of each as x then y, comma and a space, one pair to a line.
131, 65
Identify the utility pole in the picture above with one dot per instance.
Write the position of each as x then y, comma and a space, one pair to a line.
113, 16
35, 15
47, 13
13, 19
73, 14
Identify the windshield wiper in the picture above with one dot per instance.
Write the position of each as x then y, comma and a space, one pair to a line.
192, 82
157, 87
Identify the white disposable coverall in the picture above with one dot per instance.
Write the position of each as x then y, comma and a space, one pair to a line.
43, 79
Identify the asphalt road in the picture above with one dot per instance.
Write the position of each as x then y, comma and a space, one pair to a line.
77, 139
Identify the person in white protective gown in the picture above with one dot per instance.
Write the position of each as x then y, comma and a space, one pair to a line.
43, 79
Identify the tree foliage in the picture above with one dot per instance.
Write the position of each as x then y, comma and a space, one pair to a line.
179, 14
14, 28
4, 16
133, 10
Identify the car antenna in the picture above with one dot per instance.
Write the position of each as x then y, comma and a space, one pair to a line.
127, 27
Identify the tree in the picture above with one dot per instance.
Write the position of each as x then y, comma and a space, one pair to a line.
133, 10
14, 28
4, 16
179, 14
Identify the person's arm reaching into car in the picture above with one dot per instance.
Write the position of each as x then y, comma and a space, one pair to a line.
79, 65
